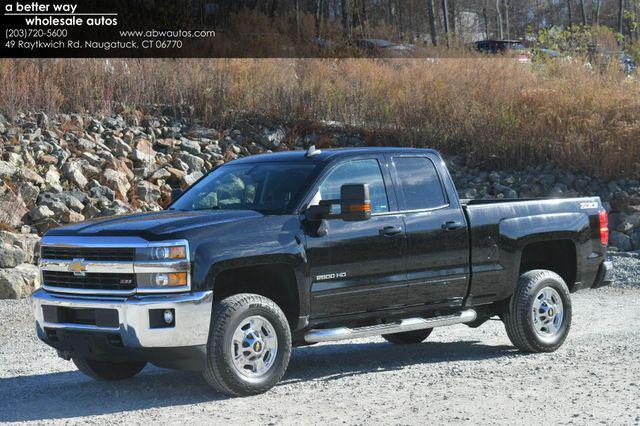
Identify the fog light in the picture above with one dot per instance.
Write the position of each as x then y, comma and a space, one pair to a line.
168, 316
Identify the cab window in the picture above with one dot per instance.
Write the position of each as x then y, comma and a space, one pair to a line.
419, 183
352, 172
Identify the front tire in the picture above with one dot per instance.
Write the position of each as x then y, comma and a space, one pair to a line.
408, 337
107, 370
249, 345
539, 317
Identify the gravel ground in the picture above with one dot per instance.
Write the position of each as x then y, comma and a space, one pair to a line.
460, 375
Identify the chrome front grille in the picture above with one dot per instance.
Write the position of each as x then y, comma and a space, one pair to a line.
107, 266
123, 254
90, 281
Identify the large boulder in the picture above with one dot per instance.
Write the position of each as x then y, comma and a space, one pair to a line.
118, 182
19, 282
620, 240
11, 256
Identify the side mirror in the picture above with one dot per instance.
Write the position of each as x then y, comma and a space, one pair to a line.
355, 202
355, 205
175, 194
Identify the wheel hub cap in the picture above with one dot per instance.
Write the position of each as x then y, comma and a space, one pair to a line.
254, 346
547, 313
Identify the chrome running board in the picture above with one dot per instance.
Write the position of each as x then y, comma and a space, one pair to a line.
409, 324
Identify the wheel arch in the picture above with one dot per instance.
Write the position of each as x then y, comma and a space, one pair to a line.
557, 255
276, 280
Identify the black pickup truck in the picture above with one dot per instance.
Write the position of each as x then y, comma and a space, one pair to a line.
289, 249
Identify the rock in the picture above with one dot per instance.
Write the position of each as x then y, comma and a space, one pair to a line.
7, 170
123, 166
118, 182
635, 239
119, 147
274, 138
11, 256
32, 176
192, 147
73, 172
620, 241
48, 159
71, 217
12, 207
42, 120
176, 172
624, 227
147, 191
19, 282
40, 213
52, 177
29, 193
190, 179
144, 152
634, 220
195, 163
27, 242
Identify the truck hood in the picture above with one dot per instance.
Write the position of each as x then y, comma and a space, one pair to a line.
154, 225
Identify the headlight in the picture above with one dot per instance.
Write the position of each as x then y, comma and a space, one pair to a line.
161, 253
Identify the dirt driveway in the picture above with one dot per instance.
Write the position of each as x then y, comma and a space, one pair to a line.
460, 375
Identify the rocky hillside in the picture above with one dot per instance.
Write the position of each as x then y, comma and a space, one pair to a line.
68, 168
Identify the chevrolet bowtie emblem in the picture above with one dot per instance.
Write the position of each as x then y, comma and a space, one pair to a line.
77, 266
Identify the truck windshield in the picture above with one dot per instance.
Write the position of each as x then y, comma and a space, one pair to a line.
269, 188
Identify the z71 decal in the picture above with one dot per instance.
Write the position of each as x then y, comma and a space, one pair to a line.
588, 205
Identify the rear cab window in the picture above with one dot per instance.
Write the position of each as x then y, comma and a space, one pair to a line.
419, 185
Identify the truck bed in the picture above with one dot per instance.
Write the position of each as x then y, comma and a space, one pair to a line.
501, 230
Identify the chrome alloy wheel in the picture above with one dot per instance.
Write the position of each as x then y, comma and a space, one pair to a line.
254, 346
547, 313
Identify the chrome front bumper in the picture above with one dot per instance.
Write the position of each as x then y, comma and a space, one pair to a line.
192, 317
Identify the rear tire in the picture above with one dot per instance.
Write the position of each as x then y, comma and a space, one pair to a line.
249, 345
539, 316
408, 337
107, 370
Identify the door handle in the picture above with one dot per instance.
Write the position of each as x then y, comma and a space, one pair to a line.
451, 225
390, 231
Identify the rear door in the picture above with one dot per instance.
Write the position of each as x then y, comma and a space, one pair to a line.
437, 254
358, 266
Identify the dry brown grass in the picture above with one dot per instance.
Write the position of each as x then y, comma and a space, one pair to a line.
495, 111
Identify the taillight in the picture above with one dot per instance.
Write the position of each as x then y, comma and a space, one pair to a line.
604, 228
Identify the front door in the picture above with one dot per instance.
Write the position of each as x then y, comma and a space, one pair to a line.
357, 266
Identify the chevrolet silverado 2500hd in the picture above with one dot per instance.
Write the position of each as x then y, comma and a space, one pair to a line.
294, 248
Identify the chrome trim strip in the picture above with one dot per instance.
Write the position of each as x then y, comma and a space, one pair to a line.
162, 266
192, 313
92, 266
87, 291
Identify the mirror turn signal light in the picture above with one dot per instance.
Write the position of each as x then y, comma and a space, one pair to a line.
358, 208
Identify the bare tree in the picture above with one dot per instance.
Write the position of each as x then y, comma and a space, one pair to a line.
506, 17
569, 13
485, 17
584, 13
445, 14
432, 22
499, 20
620, 15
